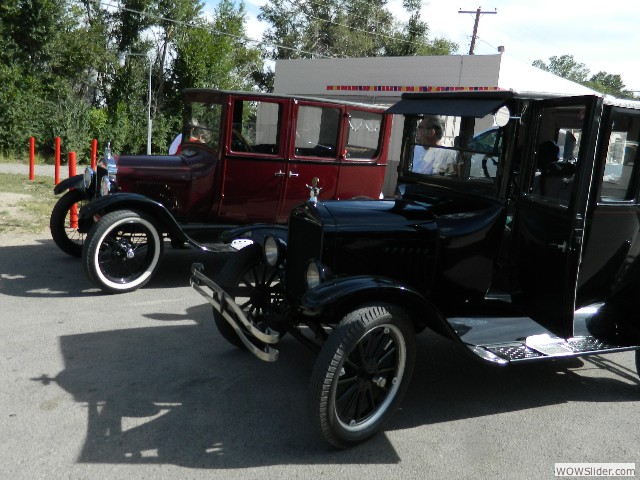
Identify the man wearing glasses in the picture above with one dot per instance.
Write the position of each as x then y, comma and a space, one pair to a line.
429, 157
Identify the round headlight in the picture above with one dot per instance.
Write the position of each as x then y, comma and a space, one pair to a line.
105, 186
87, 177
314, 275
274, 251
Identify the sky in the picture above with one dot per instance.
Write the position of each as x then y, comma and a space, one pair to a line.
604, 36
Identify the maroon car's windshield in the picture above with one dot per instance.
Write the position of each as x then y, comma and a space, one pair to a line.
204, 121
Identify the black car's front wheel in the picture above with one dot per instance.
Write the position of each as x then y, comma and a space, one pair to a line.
63, 223
253, 284
361, 374
122, 251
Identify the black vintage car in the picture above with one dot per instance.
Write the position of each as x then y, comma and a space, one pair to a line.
524, 248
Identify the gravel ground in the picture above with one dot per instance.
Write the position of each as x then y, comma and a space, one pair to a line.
44, 170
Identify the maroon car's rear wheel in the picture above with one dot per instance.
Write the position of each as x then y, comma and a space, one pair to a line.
63, 223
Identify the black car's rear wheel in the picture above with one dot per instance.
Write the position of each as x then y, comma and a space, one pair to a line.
253, 284
361, 374
63, 223
122, 251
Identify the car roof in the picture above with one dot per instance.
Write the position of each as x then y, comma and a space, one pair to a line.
196, 91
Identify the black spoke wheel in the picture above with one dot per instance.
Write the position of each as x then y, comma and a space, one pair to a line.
361, 374
253, 284
122, 251
64, 228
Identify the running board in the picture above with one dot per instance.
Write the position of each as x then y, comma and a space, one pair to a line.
540, 347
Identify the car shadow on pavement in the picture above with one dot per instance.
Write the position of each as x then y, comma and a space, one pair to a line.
40, 269
457, 386
182, 395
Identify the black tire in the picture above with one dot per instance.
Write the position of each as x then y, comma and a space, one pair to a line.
252, 283
361, 374
67, 238
122, 251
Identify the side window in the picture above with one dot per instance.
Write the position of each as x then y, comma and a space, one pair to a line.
363, 138
256, 127
204, 123
622, 154
317, 131
557, 151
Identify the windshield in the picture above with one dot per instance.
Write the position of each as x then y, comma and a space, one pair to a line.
203, 123
464, 148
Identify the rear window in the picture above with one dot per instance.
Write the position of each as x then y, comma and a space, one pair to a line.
363, 138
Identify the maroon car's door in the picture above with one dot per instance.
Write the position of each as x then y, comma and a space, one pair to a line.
314, 152
253, 163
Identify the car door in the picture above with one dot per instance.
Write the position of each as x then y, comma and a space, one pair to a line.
254, 151
551, 207
315, 144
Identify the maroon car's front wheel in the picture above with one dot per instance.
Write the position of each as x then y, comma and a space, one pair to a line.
122, 251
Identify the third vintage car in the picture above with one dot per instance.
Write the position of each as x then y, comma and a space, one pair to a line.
245, 158
525, 250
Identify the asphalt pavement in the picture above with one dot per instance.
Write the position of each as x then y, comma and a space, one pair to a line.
141, 386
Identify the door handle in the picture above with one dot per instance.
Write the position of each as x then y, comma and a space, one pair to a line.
293, 174
279, 173
563, 247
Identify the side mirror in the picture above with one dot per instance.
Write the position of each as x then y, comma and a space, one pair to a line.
502, 116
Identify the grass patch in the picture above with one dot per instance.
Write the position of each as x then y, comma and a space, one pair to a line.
25, 206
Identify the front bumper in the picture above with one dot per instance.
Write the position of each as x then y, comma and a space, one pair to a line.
257, 340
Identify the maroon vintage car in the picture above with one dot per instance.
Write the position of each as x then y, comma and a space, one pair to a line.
246, 158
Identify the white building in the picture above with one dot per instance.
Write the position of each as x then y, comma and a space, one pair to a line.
382, 80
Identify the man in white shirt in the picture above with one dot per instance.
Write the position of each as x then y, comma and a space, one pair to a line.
429, 157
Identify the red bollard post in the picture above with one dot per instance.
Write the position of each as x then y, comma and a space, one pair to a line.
73, 212
32, 158
57, 160
94, 153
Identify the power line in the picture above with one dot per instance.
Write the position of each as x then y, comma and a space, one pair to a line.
212, 30
294, 2
247, 39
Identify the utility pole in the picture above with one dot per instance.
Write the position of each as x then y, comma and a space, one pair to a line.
478, 12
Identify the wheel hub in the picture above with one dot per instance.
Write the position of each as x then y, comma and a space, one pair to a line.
261, 296
124, 249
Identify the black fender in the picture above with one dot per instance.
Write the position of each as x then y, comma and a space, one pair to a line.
335, 298
256, 232
134, 201
71, 182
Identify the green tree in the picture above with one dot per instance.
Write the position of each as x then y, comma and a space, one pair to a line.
61, 75
567, 67
343, 28
610, 84
215, 54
